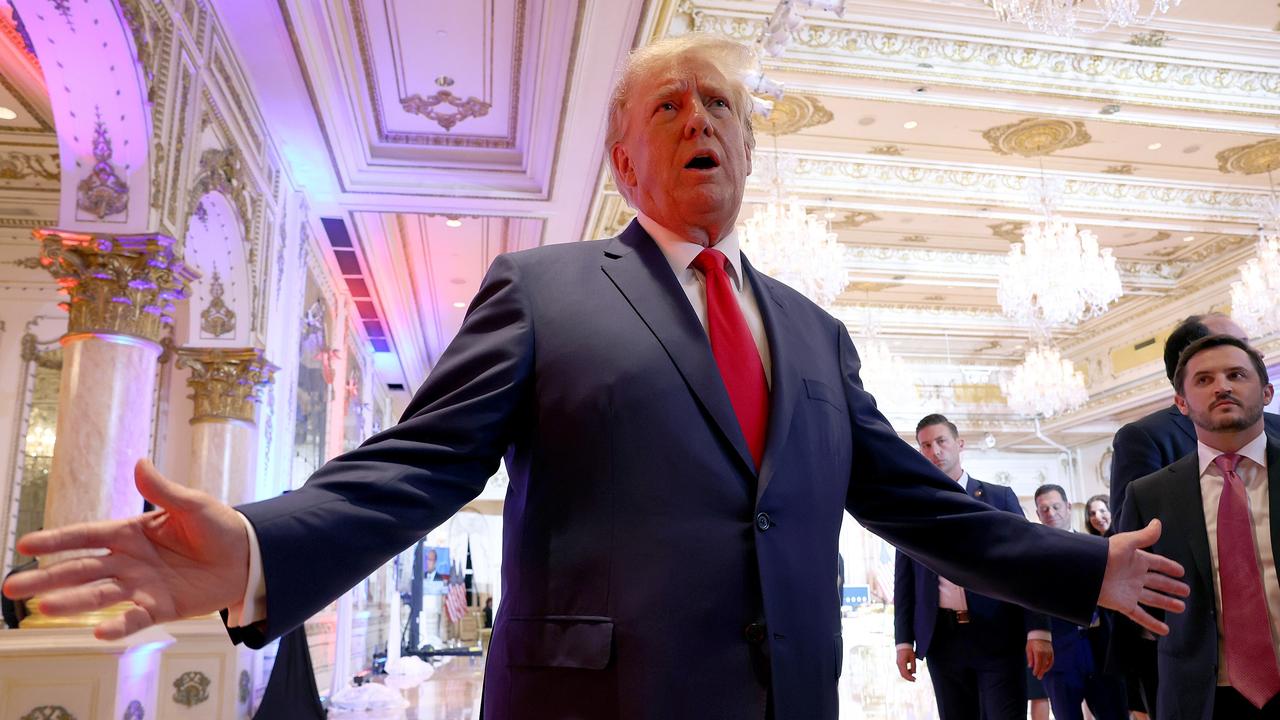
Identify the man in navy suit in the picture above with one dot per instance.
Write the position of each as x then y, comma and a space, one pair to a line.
974, 644
1077, 674
1140, 448
1221, 507
682, 436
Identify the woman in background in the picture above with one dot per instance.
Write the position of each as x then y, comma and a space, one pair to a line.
1097, 515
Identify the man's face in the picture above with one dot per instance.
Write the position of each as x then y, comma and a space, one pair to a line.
684, 158
431, 560
1221, 391
942, 448
1054, 510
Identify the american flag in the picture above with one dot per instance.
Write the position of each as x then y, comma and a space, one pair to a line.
455, 601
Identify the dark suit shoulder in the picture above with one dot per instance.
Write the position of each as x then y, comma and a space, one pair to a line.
1272, 424
1143, 487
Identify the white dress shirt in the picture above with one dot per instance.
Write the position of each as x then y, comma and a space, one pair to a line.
1253, 473
680, 254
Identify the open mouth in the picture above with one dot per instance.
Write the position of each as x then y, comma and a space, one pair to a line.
703, 161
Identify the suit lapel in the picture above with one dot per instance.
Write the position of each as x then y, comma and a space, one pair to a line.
783, 390
1273, 491
974, 488
641, 273
1184, 508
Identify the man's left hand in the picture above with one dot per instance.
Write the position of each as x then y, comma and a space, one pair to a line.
1039, 657
1135, 577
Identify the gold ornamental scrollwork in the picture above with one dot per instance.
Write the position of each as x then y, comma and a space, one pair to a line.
792, 114
1262, 156
49, 712
430, 107
116, 284
224, 382
1037, 137
191, 688
222, 171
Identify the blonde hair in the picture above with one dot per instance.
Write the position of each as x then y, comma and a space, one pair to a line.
733, 59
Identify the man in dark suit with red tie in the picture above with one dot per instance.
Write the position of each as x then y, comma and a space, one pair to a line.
976, 646
683, 435
1221, 508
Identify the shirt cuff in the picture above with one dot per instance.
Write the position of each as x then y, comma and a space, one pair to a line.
253, 606
902, 646
1040, 635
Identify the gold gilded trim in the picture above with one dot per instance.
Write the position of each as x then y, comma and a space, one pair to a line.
225, 382
792, 114
1037, 137
1262, 156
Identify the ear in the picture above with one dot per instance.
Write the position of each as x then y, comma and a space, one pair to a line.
960, 443
1267, 393
1181, 402
621, 160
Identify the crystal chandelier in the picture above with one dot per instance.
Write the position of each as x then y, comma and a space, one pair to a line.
1255, 297
1044, 385
1062, 17
1056, 275
885, 376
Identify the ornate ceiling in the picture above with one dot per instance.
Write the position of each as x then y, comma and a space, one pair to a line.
915, 125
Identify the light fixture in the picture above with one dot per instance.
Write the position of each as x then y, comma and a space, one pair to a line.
1057, 275
7, 113
1154, 146
1253, 296
1063, 17
882, 372
910, 124
1044, 385
453, 222
1189, 238
459, 304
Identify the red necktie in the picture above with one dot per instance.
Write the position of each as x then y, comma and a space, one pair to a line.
1251, 658
735, 352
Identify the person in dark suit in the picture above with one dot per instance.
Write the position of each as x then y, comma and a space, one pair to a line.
1222, 512
1077, 674
976, 646
682, 436
1139, 449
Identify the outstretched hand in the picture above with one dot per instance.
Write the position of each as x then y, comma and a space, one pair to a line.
189, 557
1135, 577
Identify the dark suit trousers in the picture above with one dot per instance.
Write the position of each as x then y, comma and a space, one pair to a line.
974, 686
1105, 695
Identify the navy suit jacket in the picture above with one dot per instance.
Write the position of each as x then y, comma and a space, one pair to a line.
1153, 442
1001, 627
1187, 658
639, 540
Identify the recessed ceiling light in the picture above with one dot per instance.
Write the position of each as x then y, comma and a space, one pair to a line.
7, 114
867, 120
1191, 149
1189, 238
920, 89
453, 222
1109, 109
1154, 146
459, 304
910, 124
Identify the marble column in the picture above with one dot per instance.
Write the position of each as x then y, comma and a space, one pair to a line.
120, 292
224, 385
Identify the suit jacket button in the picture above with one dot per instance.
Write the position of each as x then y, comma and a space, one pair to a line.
763, 522
754, 633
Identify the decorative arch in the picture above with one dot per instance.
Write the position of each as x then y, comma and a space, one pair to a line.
218, 312
98, 91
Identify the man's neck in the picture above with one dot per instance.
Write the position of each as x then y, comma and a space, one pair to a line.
1229, 441
959, 475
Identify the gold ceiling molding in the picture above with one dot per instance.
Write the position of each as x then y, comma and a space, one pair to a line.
429, 107
792, 114
1125, 169
1010, 230
1151, 38
1037, 137
19, 165
890, 150
870, 286
914, 239
1262, 156
850, 219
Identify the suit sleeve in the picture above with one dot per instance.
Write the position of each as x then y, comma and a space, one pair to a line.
365, 506
904, 599
1032, 620
897, 494
1134, 454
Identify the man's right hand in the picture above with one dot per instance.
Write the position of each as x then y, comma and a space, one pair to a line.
907, 664
190, 557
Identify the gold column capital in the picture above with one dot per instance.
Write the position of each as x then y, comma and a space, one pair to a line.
225, 381
116, 284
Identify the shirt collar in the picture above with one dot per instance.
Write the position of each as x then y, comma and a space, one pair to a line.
964, 480
680, 253
1255, 450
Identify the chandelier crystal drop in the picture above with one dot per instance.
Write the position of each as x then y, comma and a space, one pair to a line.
1063, 17
796, 248
1044, 385
1057, 275
1255, 297
885, 376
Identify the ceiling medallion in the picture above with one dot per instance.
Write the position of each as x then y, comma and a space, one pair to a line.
1262, 156
792, 113
851, 219
1062, 17
1037, 137
1010, 230
472, 107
